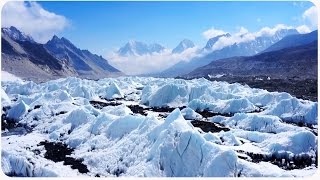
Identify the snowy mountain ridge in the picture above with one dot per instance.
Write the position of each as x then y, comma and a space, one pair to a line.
237, 46
15, 34
136, 48
183, 45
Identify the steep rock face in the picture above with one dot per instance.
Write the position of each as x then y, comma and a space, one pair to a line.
25, 58
298, 62
246, 48
63, 49
85, 63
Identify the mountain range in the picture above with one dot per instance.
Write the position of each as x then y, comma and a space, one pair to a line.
294, 56
24, 57
263, 55
247, 48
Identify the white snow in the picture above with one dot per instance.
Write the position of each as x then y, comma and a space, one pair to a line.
5, 76
115, 141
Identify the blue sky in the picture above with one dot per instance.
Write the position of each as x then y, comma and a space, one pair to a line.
101, 26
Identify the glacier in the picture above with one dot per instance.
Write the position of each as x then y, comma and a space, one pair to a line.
143, 127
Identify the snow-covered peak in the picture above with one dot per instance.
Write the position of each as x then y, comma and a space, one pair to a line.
137, 48
285, 32
213, 40
183, 45
16, 35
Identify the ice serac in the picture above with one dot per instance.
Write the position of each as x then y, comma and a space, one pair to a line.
126, 137
295, 110
78, 117
168, 94
17, 111
183, 152
189, 113
4, 97
113, 91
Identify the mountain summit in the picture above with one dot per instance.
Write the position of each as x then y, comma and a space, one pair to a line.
16, 35
183, 45
83, 61
137, 48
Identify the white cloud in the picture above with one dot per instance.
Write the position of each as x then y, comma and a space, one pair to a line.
32, 19
212, 32
150, 63
242, 31
267, 31
303, 29
311, 16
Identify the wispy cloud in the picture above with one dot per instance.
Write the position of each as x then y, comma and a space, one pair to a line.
243, 35
212, 32
149, 63
32, 19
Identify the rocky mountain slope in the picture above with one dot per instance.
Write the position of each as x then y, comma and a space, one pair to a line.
294, 40
25, 58
295, 62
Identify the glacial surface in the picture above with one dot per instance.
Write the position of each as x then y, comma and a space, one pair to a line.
132, 126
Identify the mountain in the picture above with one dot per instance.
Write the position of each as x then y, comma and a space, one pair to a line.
294, 62
85, 63
247, 48
294, 40
25, 58
136, 48
182, 46
213, 40
16, 35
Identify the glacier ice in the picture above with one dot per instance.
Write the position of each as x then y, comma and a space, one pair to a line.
17, 111
116, 141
